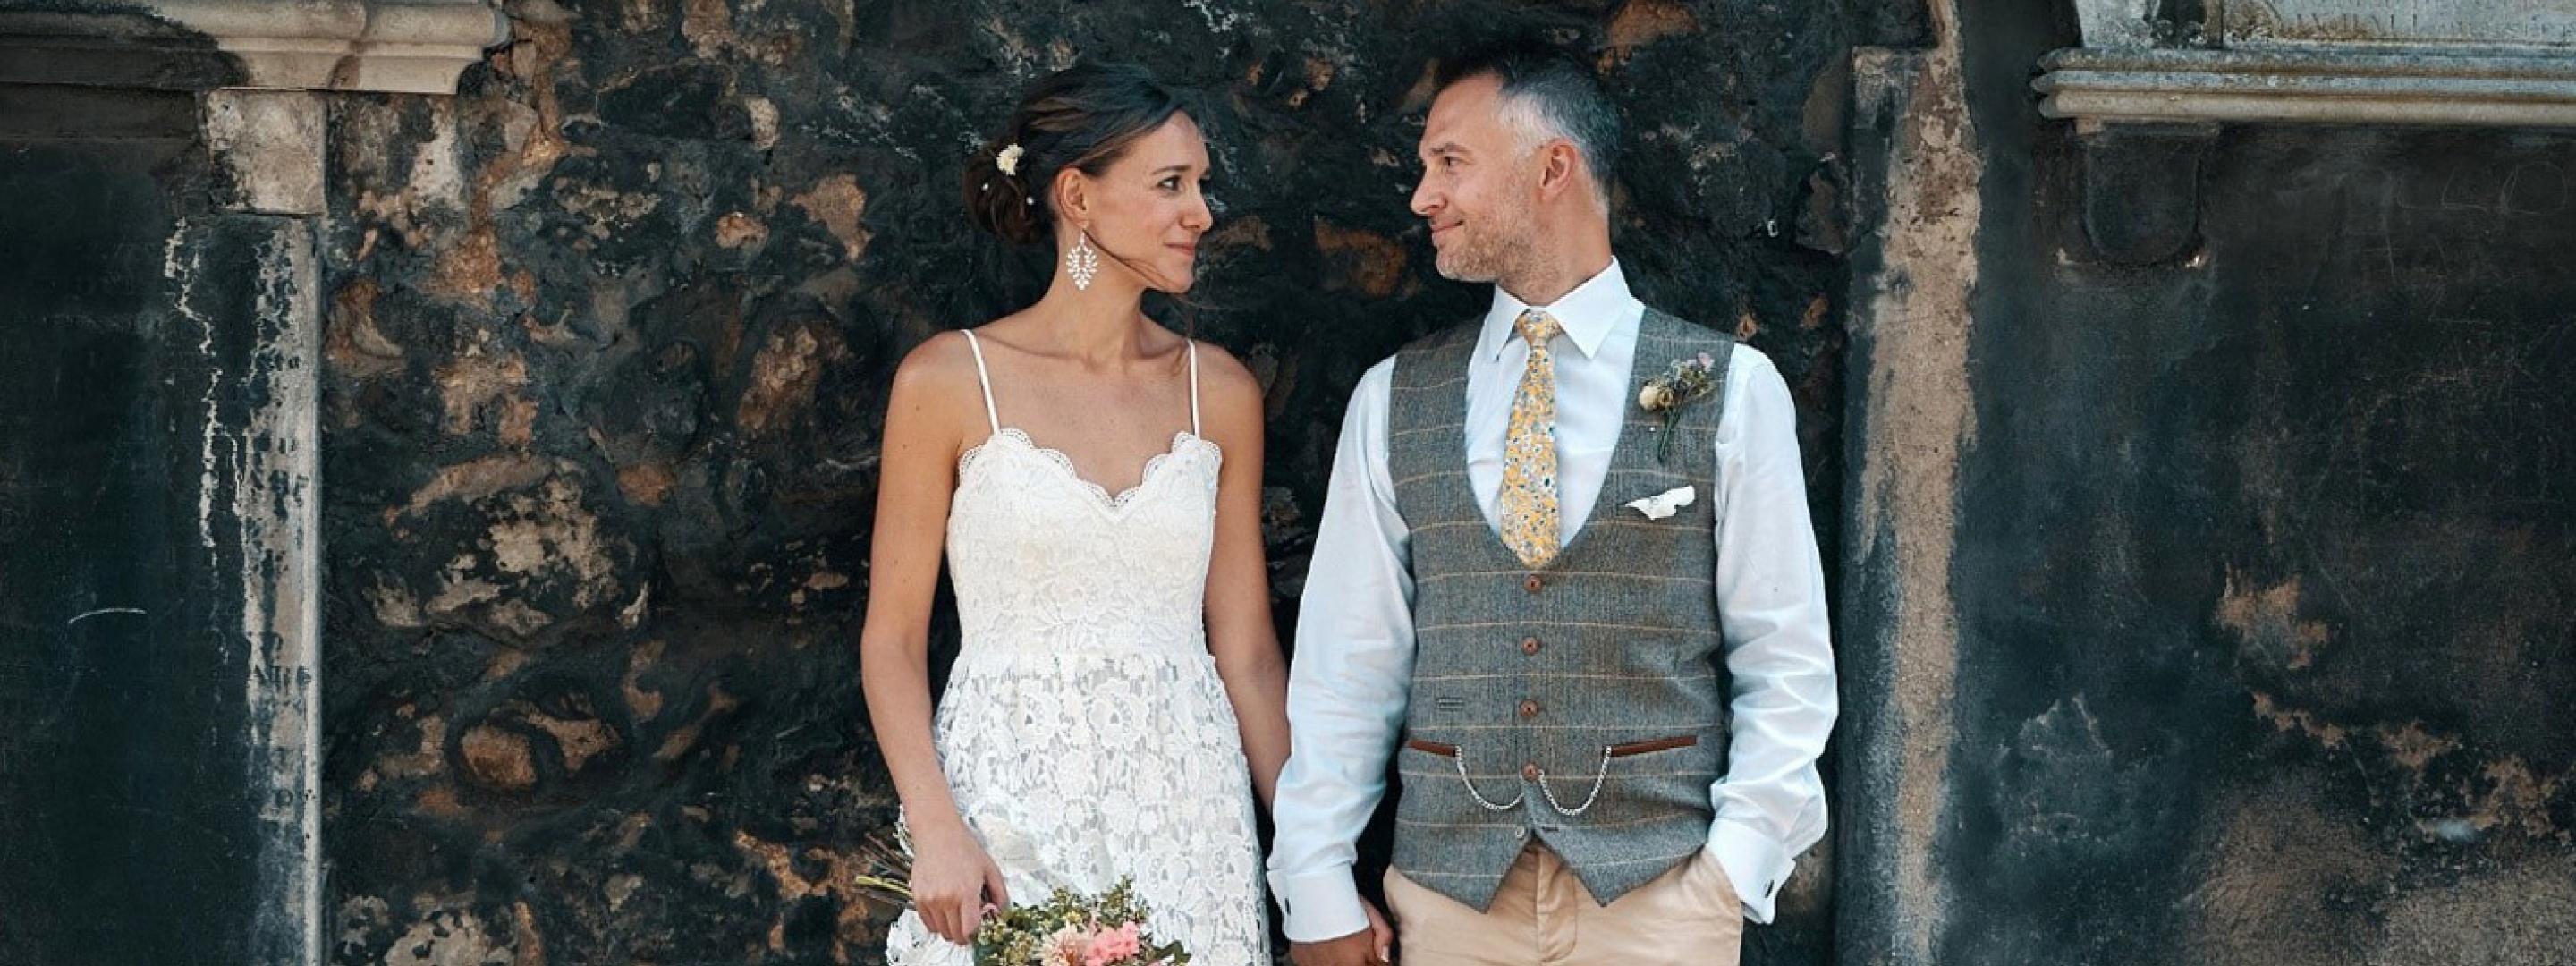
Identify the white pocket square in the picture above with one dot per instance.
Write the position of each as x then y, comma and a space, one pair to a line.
1663, 504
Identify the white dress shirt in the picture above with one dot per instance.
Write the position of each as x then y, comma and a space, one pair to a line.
1354, 663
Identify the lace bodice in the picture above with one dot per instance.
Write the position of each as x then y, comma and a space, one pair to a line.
1042, 558
1085, 734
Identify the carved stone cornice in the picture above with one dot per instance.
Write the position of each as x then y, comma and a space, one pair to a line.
405, 46
2331, 61
2335, 86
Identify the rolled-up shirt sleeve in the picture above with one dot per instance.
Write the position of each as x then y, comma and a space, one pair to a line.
1770, 805
1348, 681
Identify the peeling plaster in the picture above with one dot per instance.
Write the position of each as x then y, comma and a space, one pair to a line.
2267, 620
1921, 421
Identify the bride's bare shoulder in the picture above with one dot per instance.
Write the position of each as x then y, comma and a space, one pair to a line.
1231, 394
937, 380
939, 363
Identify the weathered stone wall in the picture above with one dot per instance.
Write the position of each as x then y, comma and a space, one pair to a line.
2221, 599
606, 356
2202, 608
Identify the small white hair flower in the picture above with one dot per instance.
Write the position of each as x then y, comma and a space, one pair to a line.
1008, 160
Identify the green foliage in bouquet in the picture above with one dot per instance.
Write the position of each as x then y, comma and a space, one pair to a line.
1074, 930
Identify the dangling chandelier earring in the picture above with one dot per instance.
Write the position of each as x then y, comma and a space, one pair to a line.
1082, 261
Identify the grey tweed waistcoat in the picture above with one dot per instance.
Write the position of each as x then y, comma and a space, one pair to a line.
1583, 702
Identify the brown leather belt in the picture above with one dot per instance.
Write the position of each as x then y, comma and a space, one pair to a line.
1616, 751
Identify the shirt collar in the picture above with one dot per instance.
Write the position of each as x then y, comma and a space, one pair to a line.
1589, 314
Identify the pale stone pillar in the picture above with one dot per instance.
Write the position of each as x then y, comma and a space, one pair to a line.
244, 294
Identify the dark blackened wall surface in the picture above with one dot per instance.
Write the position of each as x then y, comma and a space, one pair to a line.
607, 354
2266, 555
128, 818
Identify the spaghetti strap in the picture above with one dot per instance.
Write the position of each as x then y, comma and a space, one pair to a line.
1194, 388
984, 380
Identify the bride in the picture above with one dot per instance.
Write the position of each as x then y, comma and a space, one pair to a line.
1094, 480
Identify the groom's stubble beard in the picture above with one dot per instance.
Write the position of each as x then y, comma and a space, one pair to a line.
1491, 254
1495, 247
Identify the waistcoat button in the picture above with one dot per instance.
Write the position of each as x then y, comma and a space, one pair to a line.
1529, 709
1530, 772
1532, 584
1529, 645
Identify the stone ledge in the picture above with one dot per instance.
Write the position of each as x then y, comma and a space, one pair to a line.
402, 46
2326, 86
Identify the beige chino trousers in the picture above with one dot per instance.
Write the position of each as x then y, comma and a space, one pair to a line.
1543, 916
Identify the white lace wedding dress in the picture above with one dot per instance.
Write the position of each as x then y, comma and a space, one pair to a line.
1084, 731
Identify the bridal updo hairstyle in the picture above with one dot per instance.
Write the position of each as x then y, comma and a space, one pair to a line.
1082, 117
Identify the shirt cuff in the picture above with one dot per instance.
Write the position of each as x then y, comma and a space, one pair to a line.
1753, 861
1319, 905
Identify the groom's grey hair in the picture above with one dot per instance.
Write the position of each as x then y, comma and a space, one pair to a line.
1546, 92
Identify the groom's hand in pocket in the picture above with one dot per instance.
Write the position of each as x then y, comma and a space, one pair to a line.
1367, 947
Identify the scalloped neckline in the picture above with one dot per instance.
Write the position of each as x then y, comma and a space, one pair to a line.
1114, 504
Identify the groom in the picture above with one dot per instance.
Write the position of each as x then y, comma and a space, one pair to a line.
1596, 629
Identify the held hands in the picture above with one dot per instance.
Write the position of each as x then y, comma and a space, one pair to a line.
953, 883
1368, 947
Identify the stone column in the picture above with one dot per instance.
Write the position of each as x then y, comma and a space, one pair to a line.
1912, 416
160, 196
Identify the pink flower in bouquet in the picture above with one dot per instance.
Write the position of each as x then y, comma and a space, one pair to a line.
1111, 946
1068, 947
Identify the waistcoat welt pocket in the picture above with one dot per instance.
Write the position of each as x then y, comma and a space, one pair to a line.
1649, 747
1432, 747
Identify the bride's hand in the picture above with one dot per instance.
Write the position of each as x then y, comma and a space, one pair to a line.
953, 882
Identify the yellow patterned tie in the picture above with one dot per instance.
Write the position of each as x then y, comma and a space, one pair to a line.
1529, 449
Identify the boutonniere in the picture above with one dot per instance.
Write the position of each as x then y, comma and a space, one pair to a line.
1682, 383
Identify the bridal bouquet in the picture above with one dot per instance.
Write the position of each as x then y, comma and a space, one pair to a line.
1069, 929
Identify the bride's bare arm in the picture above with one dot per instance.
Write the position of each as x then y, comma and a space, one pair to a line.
914, 481
916, 474
1240, 634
